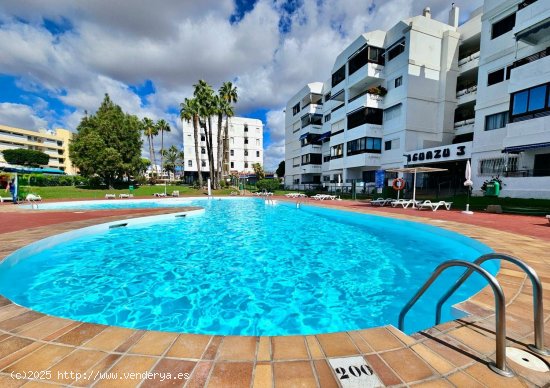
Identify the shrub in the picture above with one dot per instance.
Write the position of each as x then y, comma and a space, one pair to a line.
26, 157
268, 184
493, 179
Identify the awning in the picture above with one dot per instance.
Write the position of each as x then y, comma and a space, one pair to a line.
515, 149
304, 136
324, 136
28, 170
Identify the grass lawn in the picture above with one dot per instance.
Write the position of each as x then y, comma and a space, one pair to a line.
71, 192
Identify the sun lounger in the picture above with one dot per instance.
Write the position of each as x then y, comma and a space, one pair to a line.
175, 193
548, 217
126, 195
381, 201
322, 197
33, 197
110, 196
427, 204
159, 195
405, 203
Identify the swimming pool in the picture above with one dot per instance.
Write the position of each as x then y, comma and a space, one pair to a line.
241, 267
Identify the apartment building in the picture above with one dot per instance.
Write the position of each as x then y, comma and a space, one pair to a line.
428, 93
245, 147
55, 143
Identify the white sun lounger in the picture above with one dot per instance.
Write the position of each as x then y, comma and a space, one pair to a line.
427, 204
548, 217
110, 196
33, 197
405, 203
381, 201
159, 195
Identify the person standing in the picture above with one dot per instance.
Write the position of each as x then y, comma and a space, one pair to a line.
12, 187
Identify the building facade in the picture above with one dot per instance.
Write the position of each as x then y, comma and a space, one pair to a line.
245, 147
54, 143
427, 93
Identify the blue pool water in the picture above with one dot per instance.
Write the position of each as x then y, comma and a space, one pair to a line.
242, 267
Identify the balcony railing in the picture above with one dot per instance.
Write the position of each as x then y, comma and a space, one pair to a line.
338, 107
531, 58
527, 173
469, 90
373, 96
462, 123
469, 58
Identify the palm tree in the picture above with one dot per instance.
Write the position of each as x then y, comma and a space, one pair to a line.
150, 130
190, 113
205, 97
229, 93
162, 126
171, 158
223, 109
180, 161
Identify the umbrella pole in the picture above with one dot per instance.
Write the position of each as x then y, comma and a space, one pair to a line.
414, 190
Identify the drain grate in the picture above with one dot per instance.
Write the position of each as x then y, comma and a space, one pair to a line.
526, 359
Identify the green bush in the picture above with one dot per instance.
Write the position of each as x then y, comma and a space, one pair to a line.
22, 156
52, 180
268, 185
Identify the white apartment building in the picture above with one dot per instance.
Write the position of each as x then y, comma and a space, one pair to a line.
427, 93
54, 143
245, 146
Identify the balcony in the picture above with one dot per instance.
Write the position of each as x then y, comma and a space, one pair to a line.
529, 74
338, 113
365, 100
468, 63
466, 95
361, 160
311, 149
464, 126
532, 22
313, 109
370, 70
311, 168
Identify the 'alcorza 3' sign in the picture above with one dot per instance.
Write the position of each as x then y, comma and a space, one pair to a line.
434, 154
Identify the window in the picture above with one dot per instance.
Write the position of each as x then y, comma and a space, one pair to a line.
232, 140
387, 145
392, 112
203, 163
364, 144
327, 96
398, 81
396, 49
363, 56
338, 76
245, 164
312, 119
530, 103
246, 140
203, 150
337, 127
245, 152
311, 159
257, 154
232, 152
327, 118
296, 109
498, 166
189, 163
495, 77
232, 164
203, 138
337, 151
498, 120
365, 116
503, 26
246, 127
257, 142
296, 162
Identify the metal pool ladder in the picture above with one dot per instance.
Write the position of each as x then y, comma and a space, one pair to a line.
500, 305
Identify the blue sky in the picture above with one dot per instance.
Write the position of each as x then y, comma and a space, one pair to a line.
58, 61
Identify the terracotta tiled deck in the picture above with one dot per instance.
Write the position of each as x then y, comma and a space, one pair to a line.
452, 354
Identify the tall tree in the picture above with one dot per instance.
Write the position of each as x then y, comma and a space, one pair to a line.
223, 108
162, 126
229, 94
189, 111
259, 171
281, 170
150, 130
180, 161
207, 108
171, 159
107, 144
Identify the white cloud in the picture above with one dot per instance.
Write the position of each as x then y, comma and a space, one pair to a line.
275, 151
20, 116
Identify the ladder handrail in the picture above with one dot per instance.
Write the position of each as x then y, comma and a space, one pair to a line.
500, 309
538, 310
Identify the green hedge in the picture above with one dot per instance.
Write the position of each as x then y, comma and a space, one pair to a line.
268, 185
25, 157
52, 180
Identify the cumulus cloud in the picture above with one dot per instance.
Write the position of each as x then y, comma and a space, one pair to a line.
21, 116
271, 52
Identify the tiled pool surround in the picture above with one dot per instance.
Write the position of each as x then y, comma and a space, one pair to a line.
451, 354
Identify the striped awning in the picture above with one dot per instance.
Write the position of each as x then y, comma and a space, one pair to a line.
525, 147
